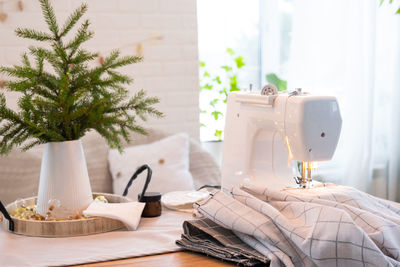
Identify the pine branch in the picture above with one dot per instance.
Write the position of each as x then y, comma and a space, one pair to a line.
50, 17
83, 56
60, 52
39, 59
33, 34
49, 56
113, 61
73, 19
31, 144
82, 36
25, 60
66, 103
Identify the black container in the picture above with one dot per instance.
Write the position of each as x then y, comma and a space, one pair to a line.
153, 204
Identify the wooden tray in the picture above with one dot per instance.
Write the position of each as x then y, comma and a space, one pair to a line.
90, 226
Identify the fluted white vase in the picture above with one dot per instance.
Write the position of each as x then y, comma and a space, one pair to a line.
64, 178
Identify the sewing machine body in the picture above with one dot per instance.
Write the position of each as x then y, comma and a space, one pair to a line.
266, 135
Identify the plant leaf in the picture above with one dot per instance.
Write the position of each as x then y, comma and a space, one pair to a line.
239, 62
279, 83
207, 86
214, 102
226, 68
217, 79
216, 114
218, 133
230, 51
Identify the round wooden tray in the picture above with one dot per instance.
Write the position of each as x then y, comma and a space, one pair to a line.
68, 228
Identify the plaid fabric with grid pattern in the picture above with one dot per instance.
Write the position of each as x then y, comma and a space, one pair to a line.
327, 225
207, 237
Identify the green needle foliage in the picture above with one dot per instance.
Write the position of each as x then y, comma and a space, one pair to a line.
219, 86
71, 98
278, 82
390, 2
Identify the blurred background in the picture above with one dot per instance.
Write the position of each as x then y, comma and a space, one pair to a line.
349, 49
196, 52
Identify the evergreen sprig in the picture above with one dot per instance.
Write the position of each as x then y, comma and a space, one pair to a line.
71, 98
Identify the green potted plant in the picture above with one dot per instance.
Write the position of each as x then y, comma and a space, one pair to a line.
62, 98
217, 88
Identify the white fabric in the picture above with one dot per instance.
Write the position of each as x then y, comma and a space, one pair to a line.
154, 236
168, 158
325, 226
350, 49
183, 200
128, 213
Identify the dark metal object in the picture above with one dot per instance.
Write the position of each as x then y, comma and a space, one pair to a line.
134, 176
7, 216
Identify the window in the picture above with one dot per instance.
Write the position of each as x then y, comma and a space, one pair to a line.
333, 47
257, 31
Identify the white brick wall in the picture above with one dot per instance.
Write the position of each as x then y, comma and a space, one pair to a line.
170, 67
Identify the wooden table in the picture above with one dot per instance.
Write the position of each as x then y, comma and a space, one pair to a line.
189, 259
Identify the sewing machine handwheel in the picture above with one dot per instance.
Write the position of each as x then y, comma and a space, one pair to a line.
269, 89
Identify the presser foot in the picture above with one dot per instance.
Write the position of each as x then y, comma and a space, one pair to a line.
302, 183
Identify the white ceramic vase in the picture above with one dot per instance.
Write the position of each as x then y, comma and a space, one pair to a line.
64, 178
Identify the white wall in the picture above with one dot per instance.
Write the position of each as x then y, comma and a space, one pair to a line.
170, 67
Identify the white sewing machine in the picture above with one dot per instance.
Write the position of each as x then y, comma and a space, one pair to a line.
267, 134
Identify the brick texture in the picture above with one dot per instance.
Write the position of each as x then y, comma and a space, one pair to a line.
170, 67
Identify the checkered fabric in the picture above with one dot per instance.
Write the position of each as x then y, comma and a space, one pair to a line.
327, 225
207, 237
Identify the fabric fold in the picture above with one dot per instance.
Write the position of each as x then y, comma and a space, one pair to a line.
128, 213
324, 226
207, 237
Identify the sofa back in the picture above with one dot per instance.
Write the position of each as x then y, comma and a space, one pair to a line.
19, 171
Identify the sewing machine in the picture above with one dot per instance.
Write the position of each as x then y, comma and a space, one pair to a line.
275, 139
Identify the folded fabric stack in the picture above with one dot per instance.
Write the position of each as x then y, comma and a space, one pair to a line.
205, 236
328, 225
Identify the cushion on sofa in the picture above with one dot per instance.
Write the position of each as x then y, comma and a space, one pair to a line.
19, 174
168, 158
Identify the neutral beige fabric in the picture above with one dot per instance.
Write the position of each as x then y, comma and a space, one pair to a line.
327, 225
128, 213
169, 162
96, 153
153, 236
19, 171
203, 167
19, 175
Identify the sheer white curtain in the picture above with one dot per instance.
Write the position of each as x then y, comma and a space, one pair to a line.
350, 49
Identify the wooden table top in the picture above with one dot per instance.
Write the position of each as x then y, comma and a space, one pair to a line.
177, 259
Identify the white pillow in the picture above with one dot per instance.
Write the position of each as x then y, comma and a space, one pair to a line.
168, 158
